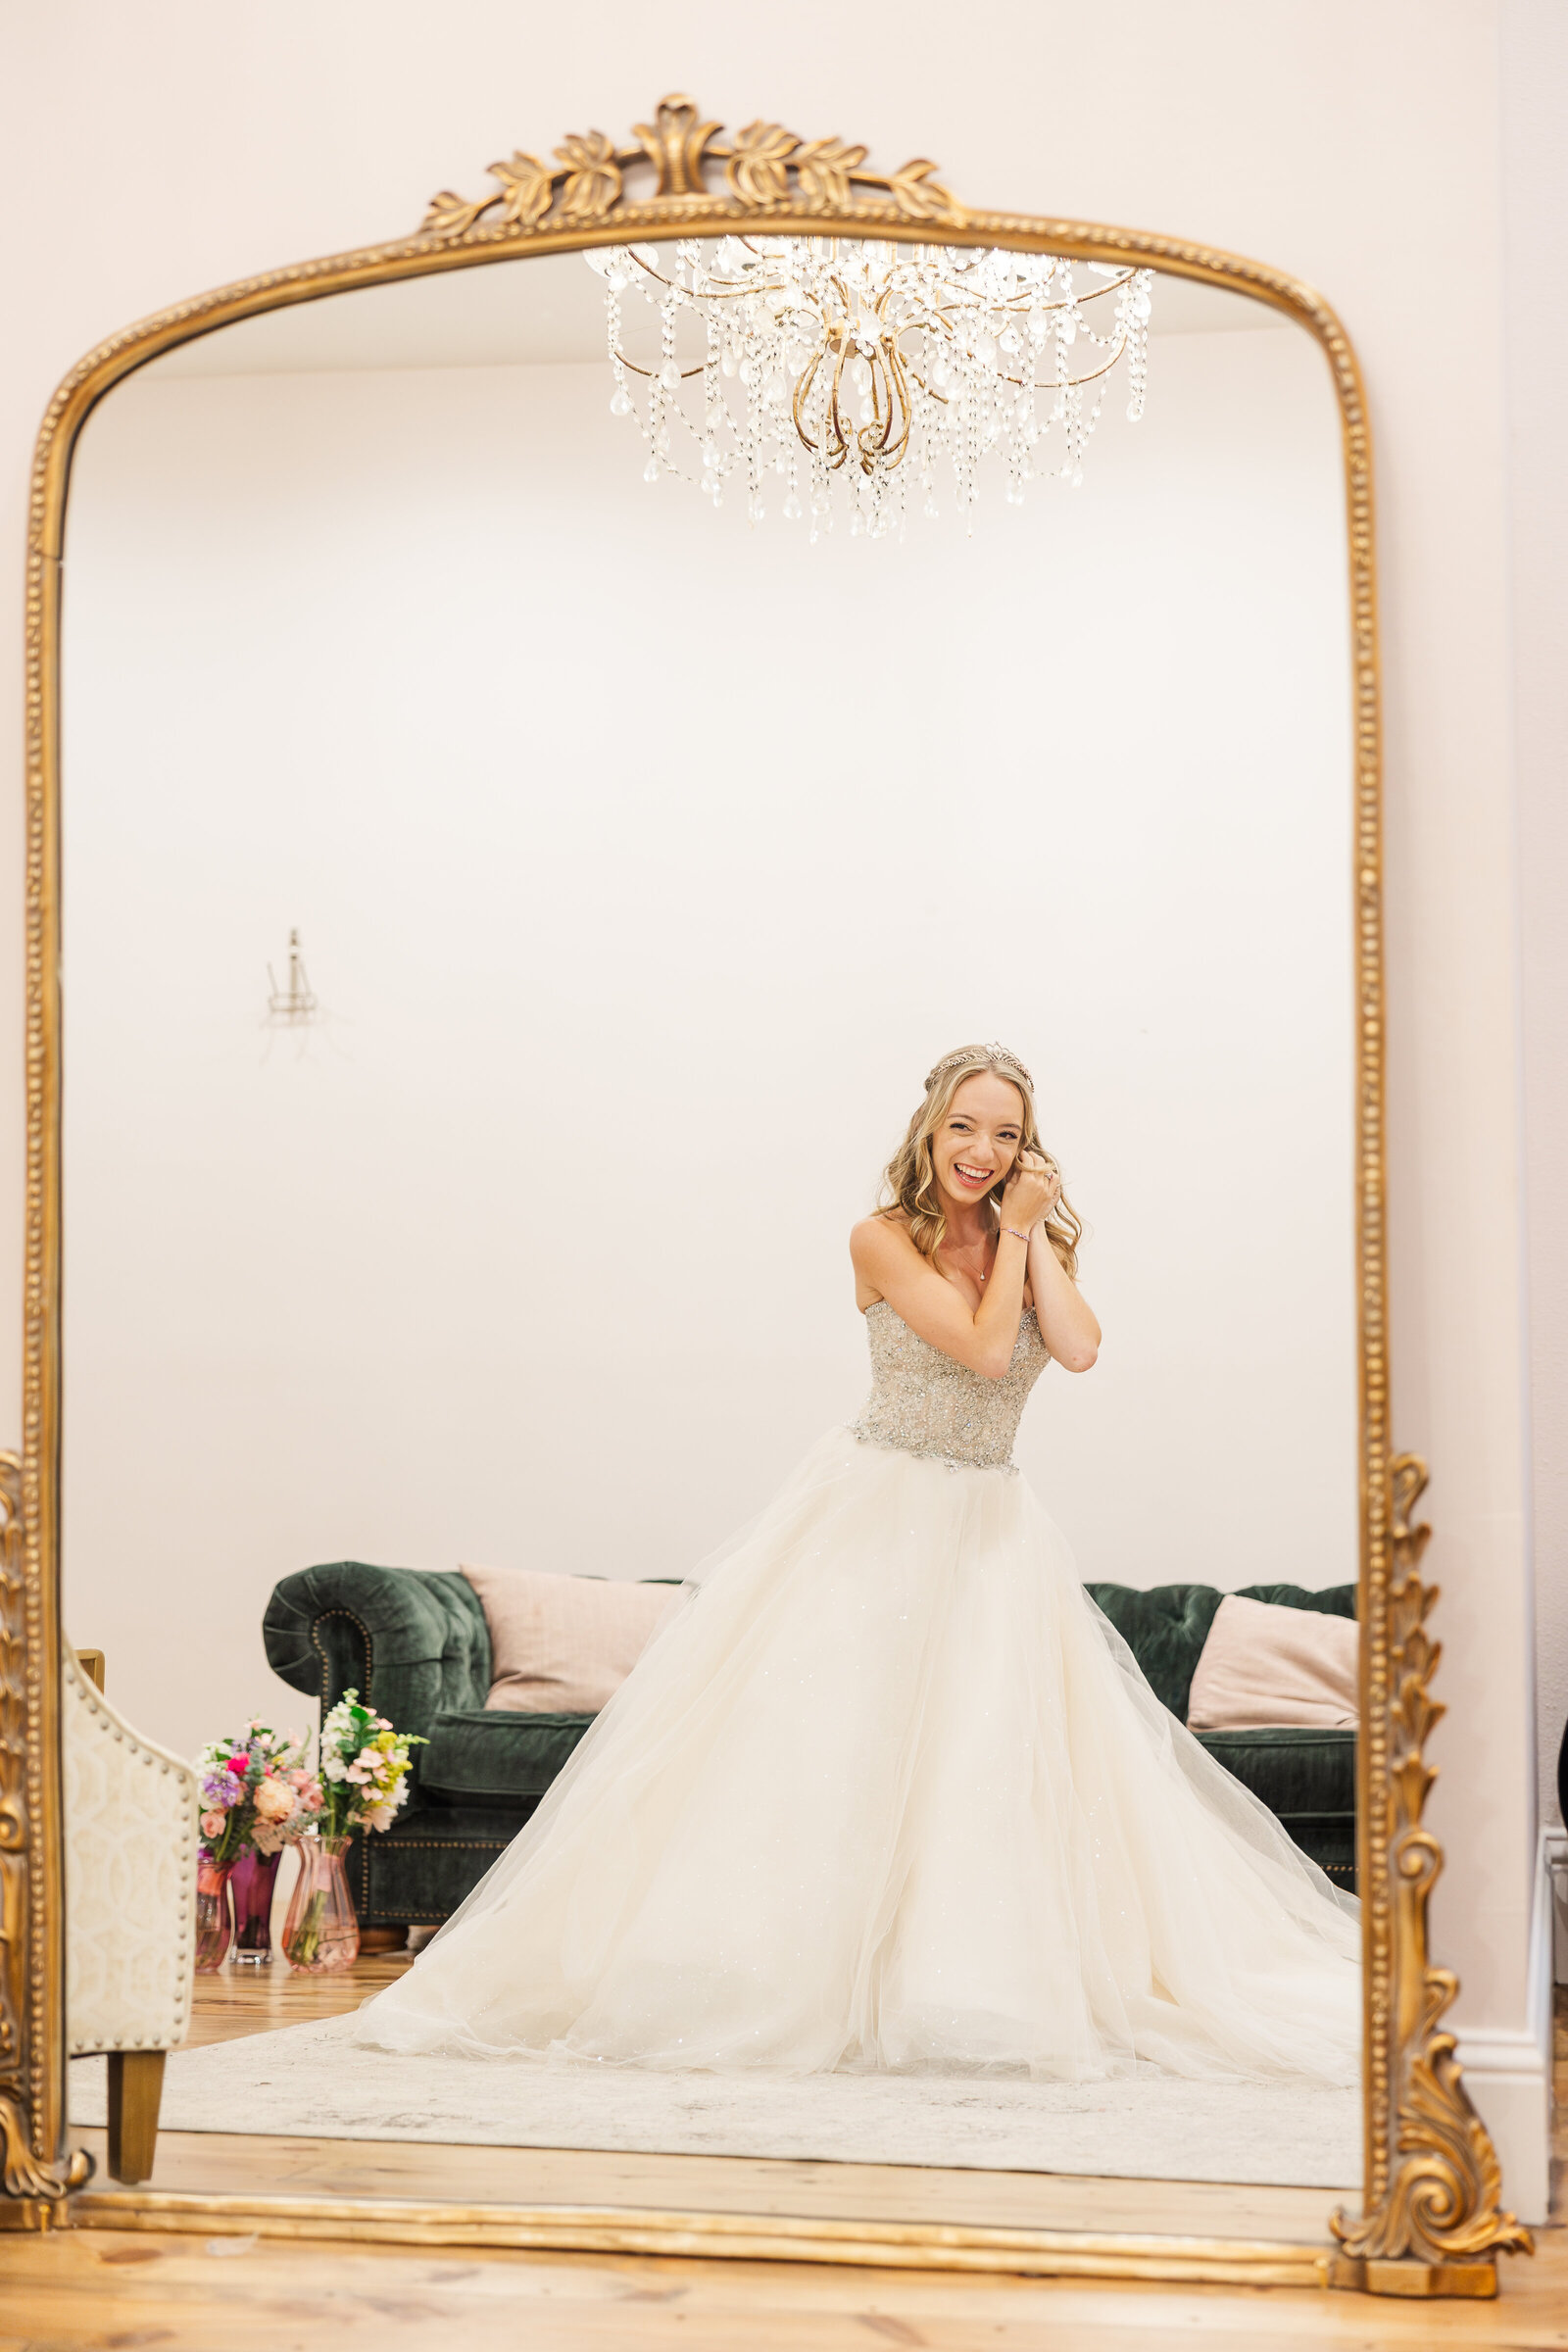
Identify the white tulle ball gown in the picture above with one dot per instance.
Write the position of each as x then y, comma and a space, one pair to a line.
888, 1792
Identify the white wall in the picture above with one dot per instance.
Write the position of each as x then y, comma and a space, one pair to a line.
1538, 223
638, 941
1359, 142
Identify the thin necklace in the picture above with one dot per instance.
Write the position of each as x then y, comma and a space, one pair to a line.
983, 1278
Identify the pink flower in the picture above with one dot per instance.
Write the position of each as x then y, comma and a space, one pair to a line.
380, 1817
212, 1826
274, 1800
239, 1764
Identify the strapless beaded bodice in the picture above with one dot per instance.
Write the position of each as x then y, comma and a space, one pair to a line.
923, 1403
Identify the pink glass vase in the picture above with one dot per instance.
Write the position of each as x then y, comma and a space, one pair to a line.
213, 1925
322, 1930
253, 1878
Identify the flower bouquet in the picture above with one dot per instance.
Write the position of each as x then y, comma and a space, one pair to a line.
256, 1794
364, 1769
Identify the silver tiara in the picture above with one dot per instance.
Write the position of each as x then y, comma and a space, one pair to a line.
992, 1052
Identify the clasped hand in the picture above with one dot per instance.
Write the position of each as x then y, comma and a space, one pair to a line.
1031, 1190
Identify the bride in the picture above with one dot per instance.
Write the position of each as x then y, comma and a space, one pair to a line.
885, 1790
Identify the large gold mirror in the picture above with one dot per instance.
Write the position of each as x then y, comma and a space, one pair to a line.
546, 734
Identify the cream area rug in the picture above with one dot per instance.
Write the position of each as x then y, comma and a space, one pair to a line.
306, 2079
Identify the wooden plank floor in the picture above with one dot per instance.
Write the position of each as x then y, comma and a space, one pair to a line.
207, 2162
92, 2288
258, 2000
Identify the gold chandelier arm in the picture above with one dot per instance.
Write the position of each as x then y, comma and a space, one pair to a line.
649, 373
801, 393
1070, 383
868, 440
941, 398
1067, 383
898, 381
735, 294
1021, 305
835, 416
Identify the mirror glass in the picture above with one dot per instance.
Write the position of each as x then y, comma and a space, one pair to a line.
511, 911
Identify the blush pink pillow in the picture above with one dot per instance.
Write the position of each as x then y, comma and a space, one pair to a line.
1264, 1666
564, 1644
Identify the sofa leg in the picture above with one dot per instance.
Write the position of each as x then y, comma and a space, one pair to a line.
383, 1939
135, 2089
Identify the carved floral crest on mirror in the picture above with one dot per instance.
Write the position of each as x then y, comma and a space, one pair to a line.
1432, 2220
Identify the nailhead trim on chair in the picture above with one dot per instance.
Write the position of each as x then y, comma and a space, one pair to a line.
442, 1845
452, 1845
87, 1694
326, 1664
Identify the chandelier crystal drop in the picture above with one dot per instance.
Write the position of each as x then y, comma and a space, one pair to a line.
806, 367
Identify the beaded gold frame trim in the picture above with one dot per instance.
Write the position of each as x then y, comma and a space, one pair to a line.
1431, 2220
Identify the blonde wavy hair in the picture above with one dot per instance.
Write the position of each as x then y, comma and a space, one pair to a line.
909, 1179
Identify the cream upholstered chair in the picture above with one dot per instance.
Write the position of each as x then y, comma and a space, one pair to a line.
131, 1909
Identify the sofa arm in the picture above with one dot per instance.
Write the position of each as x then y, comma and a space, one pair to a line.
411, 1641
130, 1813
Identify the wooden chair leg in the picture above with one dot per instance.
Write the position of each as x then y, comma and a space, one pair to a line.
135, 2088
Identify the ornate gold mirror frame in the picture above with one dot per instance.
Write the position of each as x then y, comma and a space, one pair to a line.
1431, 2220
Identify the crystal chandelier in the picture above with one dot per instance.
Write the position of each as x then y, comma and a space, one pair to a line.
868, 367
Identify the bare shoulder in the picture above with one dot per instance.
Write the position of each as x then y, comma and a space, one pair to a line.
880, 1250
876, 1237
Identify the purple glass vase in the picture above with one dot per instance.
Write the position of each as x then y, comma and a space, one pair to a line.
252, 1880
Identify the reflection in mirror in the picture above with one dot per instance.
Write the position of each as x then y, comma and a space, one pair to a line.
514, 912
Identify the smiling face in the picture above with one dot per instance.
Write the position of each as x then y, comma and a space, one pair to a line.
978, 1141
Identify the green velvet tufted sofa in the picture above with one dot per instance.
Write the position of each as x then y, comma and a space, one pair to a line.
414, 1642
